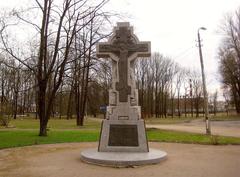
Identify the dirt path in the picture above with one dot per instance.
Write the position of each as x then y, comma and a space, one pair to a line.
224, 128
63, 160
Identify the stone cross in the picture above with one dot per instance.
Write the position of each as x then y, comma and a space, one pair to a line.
123, 130
123, 47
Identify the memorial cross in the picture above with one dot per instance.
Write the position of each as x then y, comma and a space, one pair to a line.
123, 45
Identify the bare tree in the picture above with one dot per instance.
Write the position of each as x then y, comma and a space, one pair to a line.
197, 92
179, 82
227, 99
229, 55
154, 77
59, 25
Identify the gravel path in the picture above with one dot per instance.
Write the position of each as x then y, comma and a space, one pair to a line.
224, 128
63, 160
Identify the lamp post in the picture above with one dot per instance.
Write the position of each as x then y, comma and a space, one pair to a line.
208, 128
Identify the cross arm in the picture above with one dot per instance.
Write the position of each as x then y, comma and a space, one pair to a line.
99, 52
104, 49
143, 49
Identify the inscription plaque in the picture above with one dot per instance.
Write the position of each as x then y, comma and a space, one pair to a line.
123, 135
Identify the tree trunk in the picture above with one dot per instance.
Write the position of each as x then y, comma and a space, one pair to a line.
236, 100
178, 103
85, 83
60, 102
165, 105
43, 127
185, 105
156, 101
77, 102
41, 98
15, 109
69, 108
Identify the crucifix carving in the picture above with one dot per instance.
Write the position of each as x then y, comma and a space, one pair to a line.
123, 47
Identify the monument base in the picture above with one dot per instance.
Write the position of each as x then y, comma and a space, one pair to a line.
123, 136
122, 159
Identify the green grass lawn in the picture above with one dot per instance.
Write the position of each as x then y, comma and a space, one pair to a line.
170, 120
54, 123
185, 137
24, 132
16, 138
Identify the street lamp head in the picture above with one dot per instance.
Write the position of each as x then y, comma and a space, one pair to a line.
203, 28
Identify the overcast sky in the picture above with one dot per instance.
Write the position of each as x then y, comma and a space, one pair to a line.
171, 26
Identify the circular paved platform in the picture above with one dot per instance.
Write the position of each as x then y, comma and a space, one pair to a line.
63, 160
122, 159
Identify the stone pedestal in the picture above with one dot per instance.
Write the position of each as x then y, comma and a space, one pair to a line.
123, 130
123, 136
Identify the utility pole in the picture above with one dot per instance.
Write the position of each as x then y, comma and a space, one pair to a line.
208, 127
